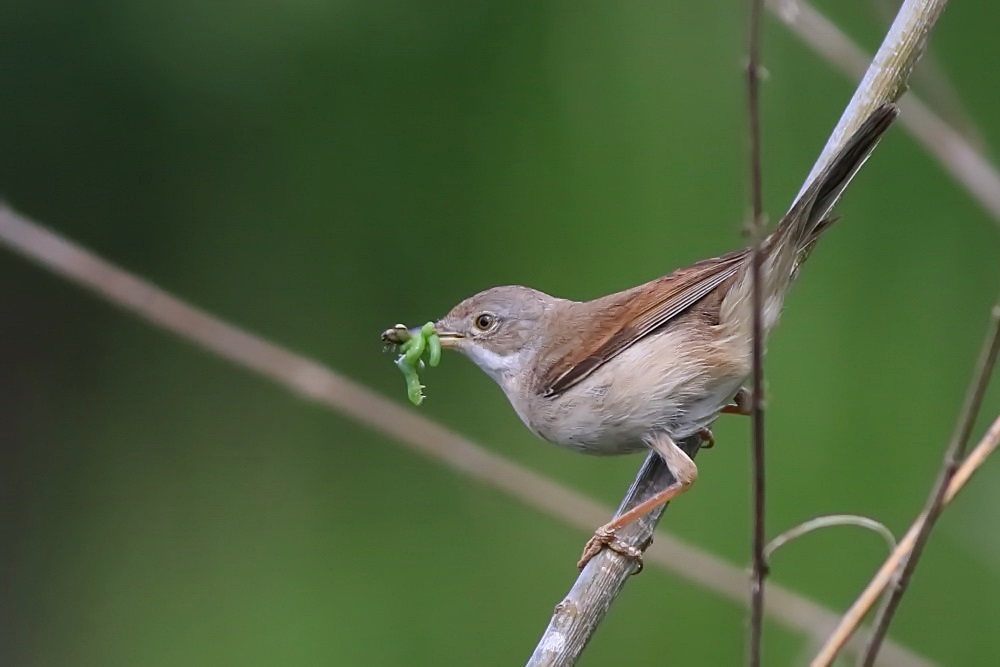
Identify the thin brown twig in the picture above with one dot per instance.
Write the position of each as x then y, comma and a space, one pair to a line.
953, 457
852, 619
759, 567
311, 380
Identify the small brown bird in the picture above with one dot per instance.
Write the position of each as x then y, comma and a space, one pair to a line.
654, 364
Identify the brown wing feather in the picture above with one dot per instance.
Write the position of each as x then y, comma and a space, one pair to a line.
630, 316
627, 317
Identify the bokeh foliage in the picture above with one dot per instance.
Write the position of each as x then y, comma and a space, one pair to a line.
288, 165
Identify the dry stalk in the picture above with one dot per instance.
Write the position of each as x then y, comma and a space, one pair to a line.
935, 503
852, 619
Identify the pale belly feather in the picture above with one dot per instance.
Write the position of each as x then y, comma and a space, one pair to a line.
646, 388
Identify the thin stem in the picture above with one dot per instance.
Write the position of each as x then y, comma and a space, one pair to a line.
953, 457
829, 521
759, 568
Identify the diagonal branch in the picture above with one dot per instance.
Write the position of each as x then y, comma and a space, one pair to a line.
852, 620
940, 90
954, 456
961, 159
888, 75
935, 503
588, 601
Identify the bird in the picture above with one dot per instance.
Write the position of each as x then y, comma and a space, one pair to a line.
649, 366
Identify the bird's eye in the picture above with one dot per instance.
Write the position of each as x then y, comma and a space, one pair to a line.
484, 321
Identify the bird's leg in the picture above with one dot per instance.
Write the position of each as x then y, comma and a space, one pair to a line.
740, 405
684, 471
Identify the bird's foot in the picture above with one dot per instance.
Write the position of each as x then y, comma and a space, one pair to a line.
741, 405
605, 537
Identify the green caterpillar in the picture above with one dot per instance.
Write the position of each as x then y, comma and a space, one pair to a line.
412, 349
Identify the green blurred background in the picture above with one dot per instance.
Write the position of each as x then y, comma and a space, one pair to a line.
289, 165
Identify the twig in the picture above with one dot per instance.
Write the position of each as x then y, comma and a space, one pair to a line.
935, 503
759, 568
575, 618
852, 619
966, 164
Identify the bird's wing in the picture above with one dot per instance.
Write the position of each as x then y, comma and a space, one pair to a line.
630, 316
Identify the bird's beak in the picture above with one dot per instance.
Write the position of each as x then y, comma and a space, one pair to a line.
399, 334
449, 339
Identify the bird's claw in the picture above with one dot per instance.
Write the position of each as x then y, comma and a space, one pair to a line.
604, 537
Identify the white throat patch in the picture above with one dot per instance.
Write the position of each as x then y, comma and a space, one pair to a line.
496, 366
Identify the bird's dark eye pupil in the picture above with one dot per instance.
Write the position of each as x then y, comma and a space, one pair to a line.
484, 321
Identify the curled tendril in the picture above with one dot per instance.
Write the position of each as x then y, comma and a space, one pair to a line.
412, 348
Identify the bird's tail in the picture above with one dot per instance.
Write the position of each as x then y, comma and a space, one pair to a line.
790, 243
